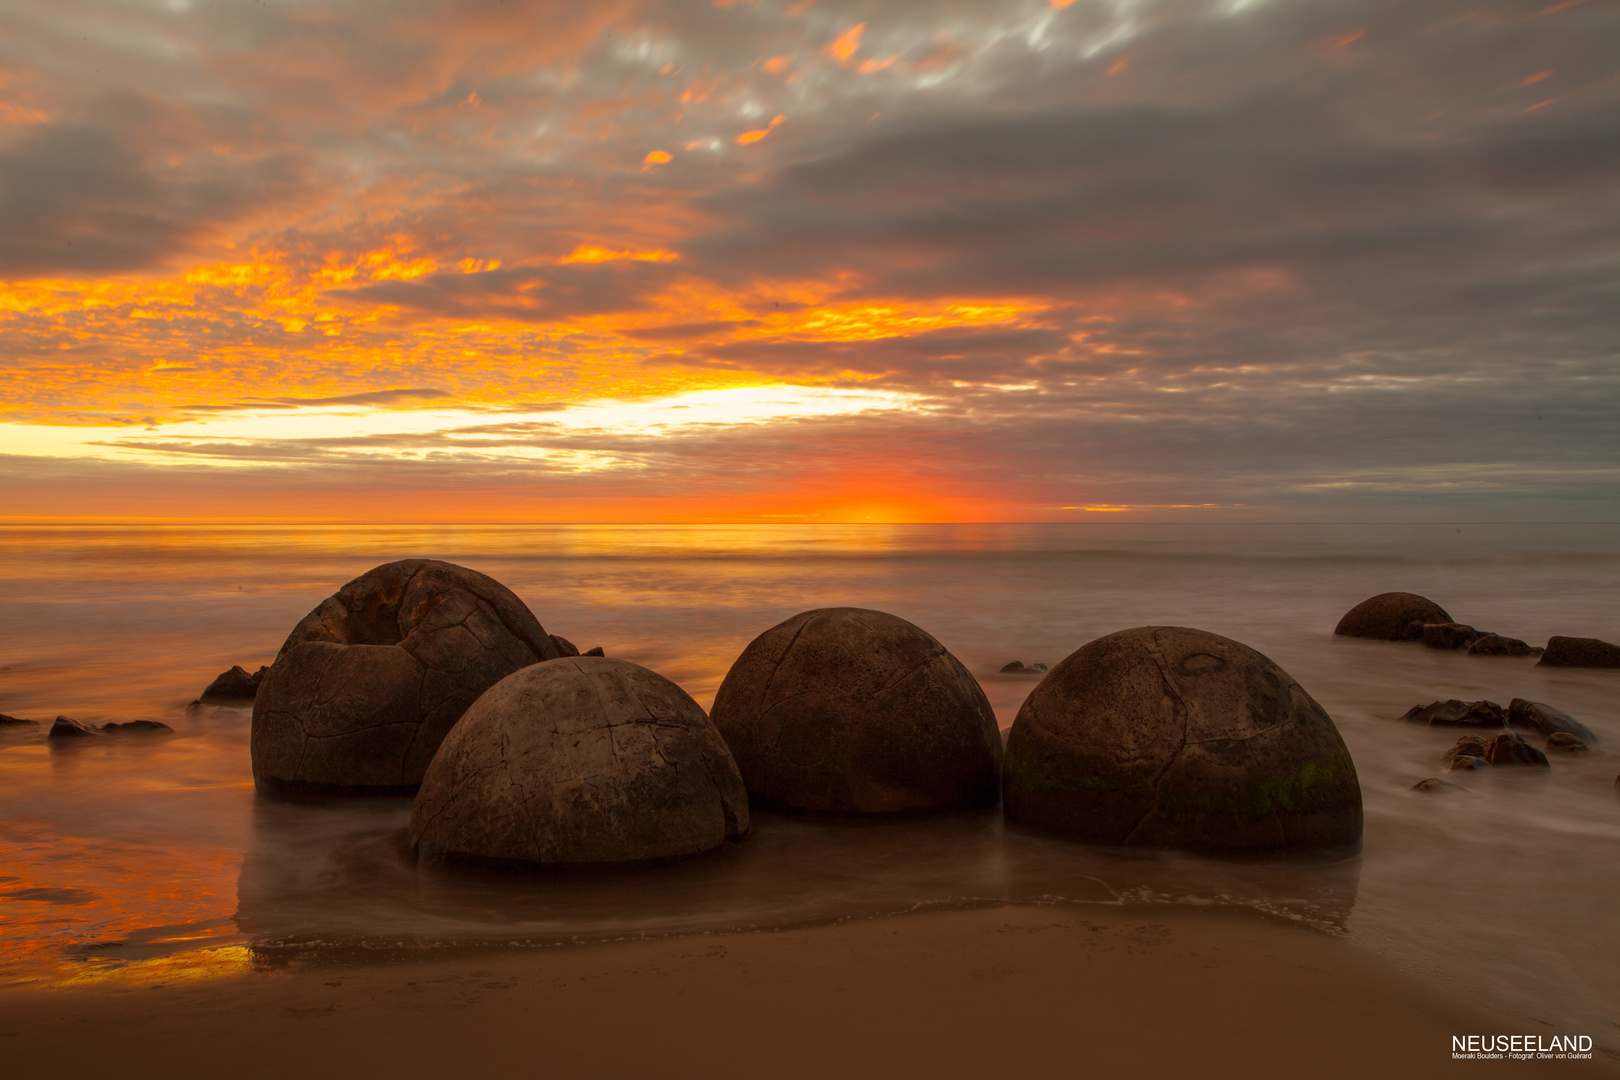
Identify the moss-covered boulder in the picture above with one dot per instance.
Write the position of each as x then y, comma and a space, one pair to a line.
579, 761
368, 684
1391, 616
1164, 736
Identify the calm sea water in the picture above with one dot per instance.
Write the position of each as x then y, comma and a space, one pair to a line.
150, 861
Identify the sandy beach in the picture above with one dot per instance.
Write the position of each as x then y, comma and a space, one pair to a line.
1014, 990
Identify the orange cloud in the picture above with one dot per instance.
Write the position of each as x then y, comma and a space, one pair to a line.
842, 47
754, 136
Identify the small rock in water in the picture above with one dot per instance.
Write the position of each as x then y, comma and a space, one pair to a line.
1467, 746
1391, 616
1013, 668
68, 728
1455, 713
1497, 645
1509, 749
1547, 720
1562, 742
232, 686
1037, 667
564, 646
1467, 762
594, 651
12, 721
137, 727
1433, 783
1580, 652
1450, 635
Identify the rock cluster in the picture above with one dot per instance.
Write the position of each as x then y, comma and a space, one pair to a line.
368, 684
579, 761
1172, 737
1391, 616
1498, 645
850, 711
1450, 635
1455, 713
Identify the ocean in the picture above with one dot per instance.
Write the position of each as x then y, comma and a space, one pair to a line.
153, 860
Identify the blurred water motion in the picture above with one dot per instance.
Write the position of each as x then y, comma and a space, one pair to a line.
153, 860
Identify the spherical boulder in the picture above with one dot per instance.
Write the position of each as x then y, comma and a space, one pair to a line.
1164, 736
579, 761
368, 683
1391, 616
847, 711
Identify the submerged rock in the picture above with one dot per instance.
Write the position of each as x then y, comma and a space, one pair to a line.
1547, 720
851, 711
1562, 742
579, 761
368, 684
233, 686
66, 727
1013, 667
1455, 713
1165, 736
1434, 784
1465, 762
1580, 652
12, 721
1509, 748
1450, 635
1497, 645
137, 727
1391, 616
1467, 746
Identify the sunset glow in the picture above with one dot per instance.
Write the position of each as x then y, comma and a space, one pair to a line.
1007, 259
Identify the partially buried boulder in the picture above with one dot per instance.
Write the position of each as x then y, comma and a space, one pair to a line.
1391, 616
1509, 749
233, 687
847, 711
1547, 720
369, 683
1450, 635
1165, 736
1580, 652
1564, 743
1498, 645
579, 761
1455, 713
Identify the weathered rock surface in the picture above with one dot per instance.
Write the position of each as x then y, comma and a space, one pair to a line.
1455, 713
1166, 736
1562, 742
233, 686
1509, 748
66, 727
368, 684
12, 721
1547, 720
1580, 652
1450, 635
1391, 616
851, 711
1497, 645
564, 646
579, 761
1468, 746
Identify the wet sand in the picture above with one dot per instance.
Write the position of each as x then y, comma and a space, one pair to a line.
1020, 991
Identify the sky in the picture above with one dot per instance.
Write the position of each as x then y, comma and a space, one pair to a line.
810, 261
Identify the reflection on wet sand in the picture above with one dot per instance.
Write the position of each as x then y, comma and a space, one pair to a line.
335, 881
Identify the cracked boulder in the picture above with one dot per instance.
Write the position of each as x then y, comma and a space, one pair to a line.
576, 762
1391, 616
369, 683
846, 711
1164, 736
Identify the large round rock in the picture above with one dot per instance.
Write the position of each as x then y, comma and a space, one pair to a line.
367, 685
1391, 616
580, 761
849, 711
1164, 736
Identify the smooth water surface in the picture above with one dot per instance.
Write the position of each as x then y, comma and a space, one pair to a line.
153, 859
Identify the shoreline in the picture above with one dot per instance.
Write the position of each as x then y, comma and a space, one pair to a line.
1025, 989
